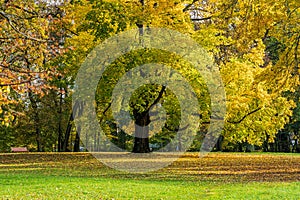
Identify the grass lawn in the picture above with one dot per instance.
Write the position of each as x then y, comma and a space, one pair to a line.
216, 176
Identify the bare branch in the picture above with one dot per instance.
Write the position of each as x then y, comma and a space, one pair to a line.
25, 10
3, 14
18, 83
244, 117
201, 19
20, 71
104, 112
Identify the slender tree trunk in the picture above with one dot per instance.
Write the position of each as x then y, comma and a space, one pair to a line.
34, 106
218, 145
179, 145
98, 141
86, 141
68, 133
95, 142
77, 140
276, 145
37, 129
266, 144
60, 139
77, 110
286, 143
38, 139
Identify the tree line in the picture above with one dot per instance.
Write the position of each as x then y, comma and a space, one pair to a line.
255, 46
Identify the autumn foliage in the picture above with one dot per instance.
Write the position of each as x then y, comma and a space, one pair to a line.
255, 46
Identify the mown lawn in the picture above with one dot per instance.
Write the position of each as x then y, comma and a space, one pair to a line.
216, 176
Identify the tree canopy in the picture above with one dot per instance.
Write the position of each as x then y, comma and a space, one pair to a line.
254, 46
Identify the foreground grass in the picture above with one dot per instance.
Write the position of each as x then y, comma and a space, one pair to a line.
218, 176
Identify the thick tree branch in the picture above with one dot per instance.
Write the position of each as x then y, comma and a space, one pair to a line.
158, 98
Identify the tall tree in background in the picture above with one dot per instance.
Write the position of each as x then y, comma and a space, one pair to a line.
236, 32
229, 31
111, 17
31, 36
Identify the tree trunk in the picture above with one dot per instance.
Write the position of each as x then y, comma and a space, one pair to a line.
179, 145
121, 138
266, 144
77, 140
95, 142
38, 139
34, 106
98, 142
77, 110
60, 139
68, 133
141, 137
218, 145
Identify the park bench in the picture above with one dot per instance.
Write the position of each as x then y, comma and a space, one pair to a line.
19, 149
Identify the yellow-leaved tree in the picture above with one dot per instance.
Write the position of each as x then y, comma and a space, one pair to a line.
241, 35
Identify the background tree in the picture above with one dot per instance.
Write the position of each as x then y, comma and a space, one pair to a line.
237, 34
32, 35
255, 45
257, 109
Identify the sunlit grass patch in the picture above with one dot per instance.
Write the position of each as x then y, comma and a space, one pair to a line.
216, 176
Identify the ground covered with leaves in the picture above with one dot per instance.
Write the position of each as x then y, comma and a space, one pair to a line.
215, 176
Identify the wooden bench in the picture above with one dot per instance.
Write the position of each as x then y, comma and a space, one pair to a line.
19, 149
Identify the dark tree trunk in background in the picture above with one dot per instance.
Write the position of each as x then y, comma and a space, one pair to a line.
68, 133
95, 147
218, 145
34, 105
38, 139
60, 134
240, 147
179, 144
98, 142
266, 144
76, 111
285, 142
122, 139
59, 140
77, 140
